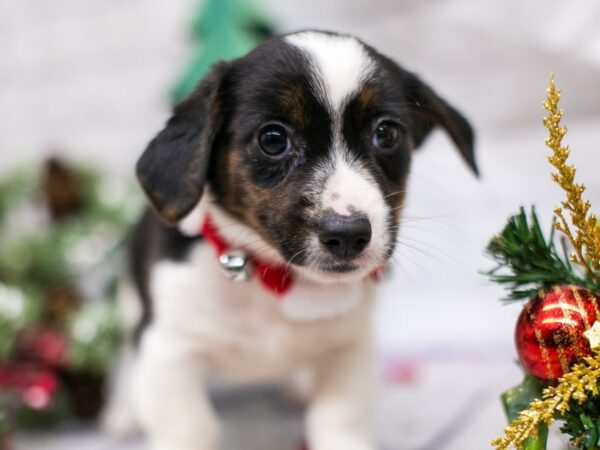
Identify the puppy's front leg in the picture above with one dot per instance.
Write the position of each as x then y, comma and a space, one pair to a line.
339, 413
171, 403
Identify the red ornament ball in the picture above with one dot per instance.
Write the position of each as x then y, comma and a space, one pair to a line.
549, 335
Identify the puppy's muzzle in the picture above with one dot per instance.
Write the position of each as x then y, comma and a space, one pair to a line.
345, 236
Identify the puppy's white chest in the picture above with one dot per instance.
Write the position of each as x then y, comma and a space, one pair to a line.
244, 328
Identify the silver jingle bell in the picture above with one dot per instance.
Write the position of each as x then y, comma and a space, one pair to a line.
235, 265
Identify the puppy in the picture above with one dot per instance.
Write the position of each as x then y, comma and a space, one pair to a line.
277, 188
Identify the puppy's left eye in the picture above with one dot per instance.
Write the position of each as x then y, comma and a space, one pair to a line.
386, 134
274, 140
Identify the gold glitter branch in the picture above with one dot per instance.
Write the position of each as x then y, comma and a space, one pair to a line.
586, 238
578, 384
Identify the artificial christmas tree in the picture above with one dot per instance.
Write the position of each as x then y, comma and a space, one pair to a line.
222, 29
61, 234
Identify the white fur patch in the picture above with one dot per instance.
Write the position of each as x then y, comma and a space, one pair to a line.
191, 224
118, 416
341, 64
315, 301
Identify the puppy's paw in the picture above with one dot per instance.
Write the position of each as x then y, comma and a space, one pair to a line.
297, 391
119, 423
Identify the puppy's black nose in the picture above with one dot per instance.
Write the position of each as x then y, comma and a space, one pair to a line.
345, 236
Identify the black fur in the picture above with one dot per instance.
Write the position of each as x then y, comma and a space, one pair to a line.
152, 241
430, 110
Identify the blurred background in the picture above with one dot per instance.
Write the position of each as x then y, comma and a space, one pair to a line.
91, 82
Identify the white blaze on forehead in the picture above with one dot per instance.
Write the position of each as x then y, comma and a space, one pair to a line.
341, 63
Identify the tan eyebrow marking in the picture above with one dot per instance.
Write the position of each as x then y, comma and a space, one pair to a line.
294, 103
367, 96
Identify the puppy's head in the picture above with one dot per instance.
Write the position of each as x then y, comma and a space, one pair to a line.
307, 140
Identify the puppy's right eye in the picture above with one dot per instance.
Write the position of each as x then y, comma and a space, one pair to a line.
274, 140
386, 134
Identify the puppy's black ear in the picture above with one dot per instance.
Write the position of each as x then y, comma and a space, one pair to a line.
430, 110
172, 170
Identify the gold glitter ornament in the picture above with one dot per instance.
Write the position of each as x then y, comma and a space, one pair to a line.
586, 237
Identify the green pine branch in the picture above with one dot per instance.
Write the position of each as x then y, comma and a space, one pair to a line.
582, 424
527, 262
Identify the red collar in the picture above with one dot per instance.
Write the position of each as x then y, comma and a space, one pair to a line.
275, 278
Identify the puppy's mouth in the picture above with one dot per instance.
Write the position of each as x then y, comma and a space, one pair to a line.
338, 268
322, 268
321, 265
320, 262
